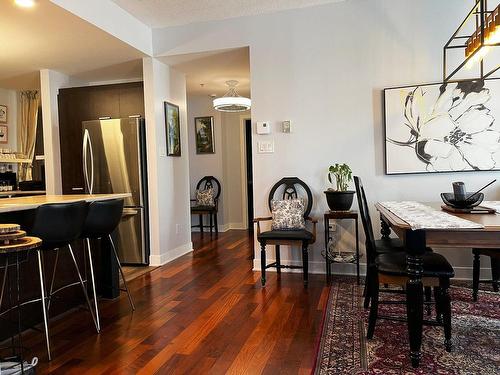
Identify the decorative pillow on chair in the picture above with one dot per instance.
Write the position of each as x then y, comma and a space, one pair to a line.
288, 214
205, 197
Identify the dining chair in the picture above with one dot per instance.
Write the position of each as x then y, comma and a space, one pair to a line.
390, 268
494, 255
287, 188
207, 182
383, 245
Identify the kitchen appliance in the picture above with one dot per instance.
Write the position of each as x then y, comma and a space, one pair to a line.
114, 161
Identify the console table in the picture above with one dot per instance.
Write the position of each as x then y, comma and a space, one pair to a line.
340, 215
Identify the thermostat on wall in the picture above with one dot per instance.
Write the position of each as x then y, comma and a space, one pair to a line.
263, 127
286, 126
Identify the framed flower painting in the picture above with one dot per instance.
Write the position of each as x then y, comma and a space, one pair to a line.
449, 127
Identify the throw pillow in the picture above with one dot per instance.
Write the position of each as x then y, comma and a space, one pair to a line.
205, 197
287, 214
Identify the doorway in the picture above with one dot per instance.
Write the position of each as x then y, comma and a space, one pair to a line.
217, 139
249, 173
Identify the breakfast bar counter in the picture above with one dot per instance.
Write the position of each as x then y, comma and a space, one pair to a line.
32, 202
21, 210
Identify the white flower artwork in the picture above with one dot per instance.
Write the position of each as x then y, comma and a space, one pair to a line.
442, 128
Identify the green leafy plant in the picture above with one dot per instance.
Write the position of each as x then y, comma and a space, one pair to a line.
342, 174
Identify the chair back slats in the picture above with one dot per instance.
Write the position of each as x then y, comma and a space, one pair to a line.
290, 187
208, 182
366, 220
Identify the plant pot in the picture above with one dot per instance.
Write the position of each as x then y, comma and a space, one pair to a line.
339, 200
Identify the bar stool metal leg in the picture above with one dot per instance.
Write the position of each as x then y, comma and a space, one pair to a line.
83, 288
121, 272
4, 282
44, 310
53, 278
91, 266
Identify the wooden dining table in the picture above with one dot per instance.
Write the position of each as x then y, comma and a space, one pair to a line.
416, 242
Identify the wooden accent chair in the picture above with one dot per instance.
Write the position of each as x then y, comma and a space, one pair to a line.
288, 188
390, 268
494, 255
205, 183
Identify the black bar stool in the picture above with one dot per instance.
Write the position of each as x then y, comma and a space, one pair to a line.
102, 219
58, 225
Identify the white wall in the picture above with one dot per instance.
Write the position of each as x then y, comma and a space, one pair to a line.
324, 68
225, 164
168, 177
50, 83
9, 98
233, 154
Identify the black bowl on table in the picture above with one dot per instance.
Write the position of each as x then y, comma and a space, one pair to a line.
469, 202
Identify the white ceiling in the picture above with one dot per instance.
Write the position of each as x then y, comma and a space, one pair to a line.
213, 69
163, 13
47, 36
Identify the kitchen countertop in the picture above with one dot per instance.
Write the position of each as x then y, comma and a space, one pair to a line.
32, 202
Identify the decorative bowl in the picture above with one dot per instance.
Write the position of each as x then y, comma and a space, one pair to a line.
449, 200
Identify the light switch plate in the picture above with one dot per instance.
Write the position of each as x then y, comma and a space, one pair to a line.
265, 147
263, 127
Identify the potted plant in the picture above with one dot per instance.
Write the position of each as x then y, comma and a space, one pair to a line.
339, 199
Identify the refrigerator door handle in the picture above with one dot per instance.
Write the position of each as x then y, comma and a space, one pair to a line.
87, 145
130, 212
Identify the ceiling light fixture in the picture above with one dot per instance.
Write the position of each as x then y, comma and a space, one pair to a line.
486, 35
25, 3
478, 44
231, 101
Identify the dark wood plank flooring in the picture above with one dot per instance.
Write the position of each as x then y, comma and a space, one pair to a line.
204, 313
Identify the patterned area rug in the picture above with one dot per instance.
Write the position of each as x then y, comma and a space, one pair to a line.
344, 349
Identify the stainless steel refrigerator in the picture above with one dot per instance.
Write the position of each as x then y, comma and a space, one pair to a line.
114, 161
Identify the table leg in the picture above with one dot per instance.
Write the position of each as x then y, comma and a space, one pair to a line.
357, 252
415, 247
385, 229
327, 261
19, 329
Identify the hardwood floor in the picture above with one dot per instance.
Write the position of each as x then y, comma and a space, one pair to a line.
204, 313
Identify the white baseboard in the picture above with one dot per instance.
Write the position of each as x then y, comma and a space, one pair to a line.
160, 260
315, 267
223, 227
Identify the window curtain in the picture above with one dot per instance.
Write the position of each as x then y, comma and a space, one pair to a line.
29, 102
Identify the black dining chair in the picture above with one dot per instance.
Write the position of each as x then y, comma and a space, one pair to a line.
390, 268
58, 225
383, 245
102, 219
287, 188
207, 182
494, 255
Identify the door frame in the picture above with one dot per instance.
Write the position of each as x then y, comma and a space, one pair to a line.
243, 159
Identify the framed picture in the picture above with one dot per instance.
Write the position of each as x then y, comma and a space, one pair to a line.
173, 129
204, 132
4, 134
3, 114
442, 127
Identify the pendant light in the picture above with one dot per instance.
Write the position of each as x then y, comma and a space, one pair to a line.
486, 24
231, 101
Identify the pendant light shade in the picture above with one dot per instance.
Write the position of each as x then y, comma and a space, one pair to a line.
231, 101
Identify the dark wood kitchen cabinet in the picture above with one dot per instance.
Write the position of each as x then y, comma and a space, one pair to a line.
79, 104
